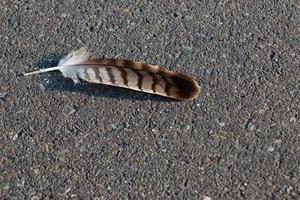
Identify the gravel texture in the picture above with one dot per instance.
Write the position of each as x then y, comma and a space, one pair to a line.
239, 140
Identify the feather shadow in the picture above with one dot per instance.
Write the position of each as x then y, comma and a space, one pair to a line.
56, 82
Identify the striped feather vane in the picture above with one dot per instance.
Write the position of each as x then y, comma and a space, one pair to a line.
138, 76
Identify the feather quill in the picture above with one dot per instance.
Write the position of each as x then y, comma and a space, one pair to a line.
133, 75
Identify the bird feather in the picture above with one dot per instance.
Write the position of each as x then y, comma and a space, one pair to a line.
139, 76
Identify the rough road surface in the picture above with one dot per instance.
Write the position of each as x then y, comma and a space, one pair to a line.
238, 140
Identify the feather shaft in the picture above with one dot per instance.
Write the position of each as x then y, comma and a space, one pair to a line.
40, 71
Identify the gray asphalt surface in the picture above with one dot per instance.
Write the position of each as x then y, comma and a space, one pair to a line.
238, 140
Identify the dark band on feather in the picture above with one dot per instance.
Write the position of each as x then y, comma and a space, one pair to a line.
154, 83
124, 76
97, 74
140, 79
168, 86
110, 74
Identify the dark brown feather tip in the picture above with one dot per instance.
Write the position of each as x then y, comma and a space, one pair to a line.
184, 88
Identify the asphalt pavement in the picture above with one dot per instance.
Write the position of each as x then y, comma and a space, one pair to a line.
240, 139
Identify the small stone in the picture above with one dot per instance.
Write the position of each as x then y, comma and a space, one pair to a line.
250, 124
3, 95
20, 183
206, 198
250, 127
293, 120
36, 171
271, 149
34, 197
127, 125
31, 129
289, 189
154, 130
222, 124
277, 158
67, 190
6, 187
42, 87
47, 80
113, 126
212, 60
15, 137
188, 17
224, 55
64, 15
187, 47
261, 111
292, 92
72, 110
186, 128
160, 142
209, 71
279, 141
